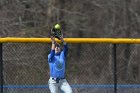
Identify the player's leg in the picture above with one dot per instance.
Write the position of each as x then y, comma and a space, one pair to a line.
65, 86
53, 86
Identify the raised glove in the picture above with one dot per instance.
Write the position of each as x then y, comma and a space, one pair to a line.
56, 31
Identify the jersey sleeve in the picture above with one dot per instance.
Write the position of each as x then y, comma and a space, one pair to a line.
65, 50
51, 56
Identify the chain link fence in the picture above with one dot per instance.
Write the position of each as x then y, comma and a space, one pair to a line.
90, 68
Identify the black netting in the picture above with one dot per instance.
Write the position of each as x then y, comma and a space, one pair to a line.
89, 68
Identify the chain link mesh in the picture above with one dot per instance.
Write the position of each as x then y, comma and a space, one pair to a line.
89, 68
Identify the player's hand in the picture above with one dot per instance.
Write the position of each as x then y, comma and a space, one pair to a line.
62, 38
52, 38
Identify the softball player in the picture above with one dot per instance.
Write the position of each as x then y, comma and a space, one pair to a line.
57, 62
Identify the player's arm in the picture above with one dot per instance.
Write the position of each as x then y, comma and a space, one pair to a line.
53, 43
65, 49
52, 53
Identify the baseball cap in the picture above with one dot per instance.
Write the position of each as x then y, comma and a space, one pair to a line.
58, 45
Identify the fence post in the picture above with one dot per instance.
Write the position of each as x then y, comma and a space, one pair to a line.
1, 69
115, 67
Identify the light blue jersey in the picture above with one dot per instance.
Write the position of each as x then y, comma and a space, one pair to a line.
57, 63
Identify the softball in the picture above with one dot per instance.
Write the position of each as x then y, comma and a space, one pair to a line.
57, 26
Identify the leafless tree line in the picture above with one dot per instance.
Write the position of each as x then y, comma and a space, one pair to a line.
80, 18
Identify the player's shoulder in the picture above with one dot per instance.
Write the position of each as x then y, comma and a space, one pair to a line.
49, 55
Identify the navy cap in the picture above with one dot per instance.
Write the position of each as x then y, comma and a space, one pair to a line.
58, 45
